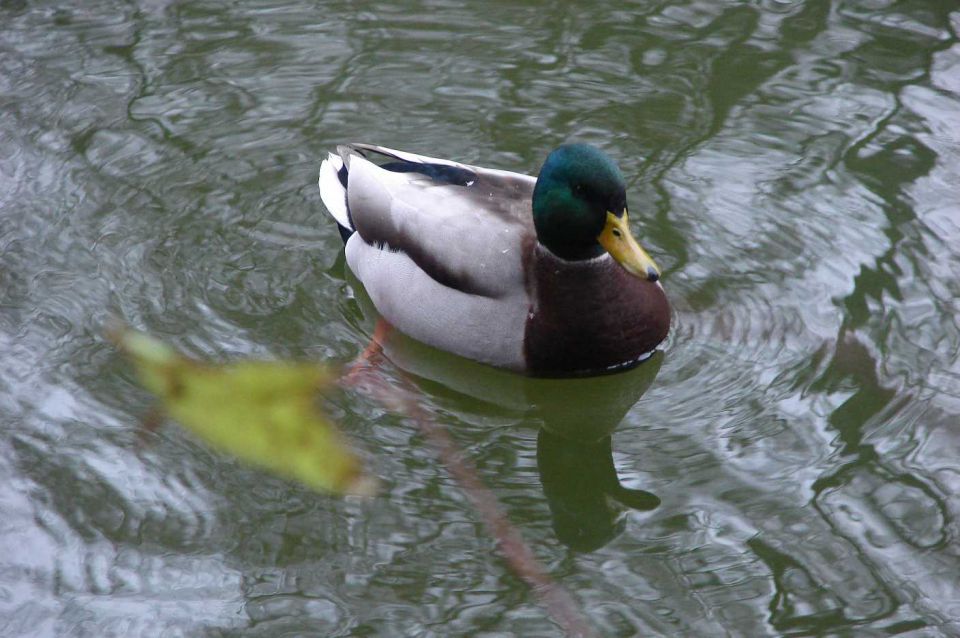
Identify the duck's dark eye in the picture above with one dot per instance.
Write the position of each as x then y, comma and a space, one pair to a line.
578, 189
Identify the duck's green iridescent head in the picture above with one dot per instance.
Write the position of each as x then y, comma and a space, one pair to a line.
580, 210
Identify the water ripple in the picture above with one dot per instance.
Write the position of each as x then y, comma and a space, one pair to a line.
794, 165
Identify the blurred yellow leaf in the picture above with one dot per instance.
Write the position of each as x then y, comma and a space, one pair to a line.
262, 412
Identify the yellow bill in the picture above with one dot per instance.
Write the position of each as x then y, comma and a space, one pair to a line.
617, 239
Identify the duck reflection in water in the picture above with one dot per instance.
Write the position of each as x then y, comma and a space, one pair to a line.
576, 419
575, 453
584, 492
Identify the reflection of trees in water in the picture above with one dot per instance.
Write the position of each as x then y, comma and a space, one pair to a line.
886, 518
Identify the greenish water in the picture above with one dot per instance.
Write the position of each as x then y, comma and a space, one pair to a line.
793, 469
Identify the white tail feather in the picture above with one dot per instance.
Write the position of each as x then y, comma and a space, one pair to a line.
332, 192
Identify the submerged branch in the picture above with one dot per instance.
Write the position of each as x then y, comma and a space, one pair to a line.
402, 398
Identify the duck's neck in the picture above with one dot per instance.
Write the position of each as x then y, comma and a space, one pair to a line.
568, 250
583, 257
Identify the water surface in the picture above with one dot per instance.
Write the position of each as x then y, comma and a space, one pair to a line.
791, 470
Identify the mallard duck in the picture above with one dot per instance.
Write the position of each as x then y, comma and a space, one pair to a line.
540, 276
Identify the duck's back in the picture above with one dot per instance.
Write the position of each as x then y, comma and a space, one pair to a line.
439, 246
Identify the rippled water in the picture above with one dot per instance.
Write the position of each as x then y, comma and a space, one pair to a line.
793, 468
